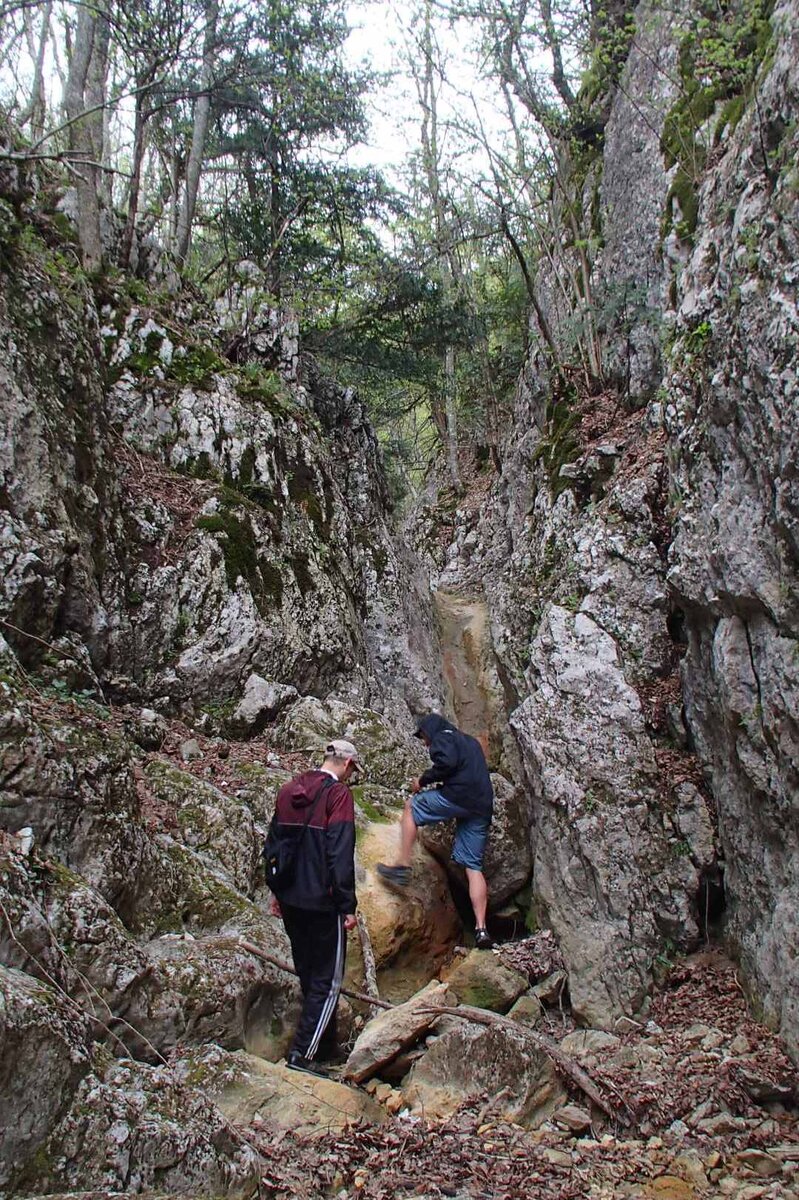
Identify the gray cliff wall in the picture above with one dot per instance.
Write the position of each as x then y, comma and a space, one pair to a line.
733, 425
641, 546
185, 519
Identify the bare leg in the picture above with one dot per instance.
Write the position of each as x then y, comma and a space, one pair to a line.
478, 894
407, 836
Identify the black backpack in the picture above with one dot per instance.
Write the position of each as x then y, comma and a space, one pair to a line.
280, 852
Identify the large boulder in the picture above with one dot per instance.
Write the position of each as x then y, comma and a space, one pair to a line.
471, 1060
394, 1030
219, 828
412, 930
262, 701
247, 1089
146, 999
482, 980
52, 1039
75, 1120
615, 871
212, 990
74, 784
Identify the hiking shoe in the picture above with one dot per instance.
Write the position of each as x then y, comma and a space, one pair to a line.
398, 876
298, 1062
483, 939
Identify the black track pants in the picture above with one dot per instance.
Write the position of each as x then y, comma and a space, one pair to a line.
319, 946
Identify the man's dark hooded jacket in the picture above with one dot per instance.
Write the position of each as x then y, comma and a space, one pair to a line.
325, 864
458, 766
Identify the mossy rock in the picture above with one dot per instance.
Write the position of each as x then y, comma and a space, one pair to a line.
392, 757
234, 530
176, 892
483, 981
374, 803
218, 827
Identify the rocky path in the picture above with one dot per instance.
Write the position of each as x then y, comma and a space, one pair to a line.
147, 1030
707, 1092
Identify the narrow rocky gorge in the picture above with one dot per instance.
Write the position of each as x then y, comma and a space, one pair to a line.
203, 579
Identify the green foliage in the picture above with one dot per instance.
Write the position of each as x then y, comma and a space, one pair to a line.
558, 445
264, 387
720, 59
287, 100
195, 366
696, 340
611, 45
682, 198
608, 54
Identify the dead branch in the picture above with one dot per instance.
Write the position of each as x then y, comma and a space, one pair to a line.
369, 964
284, 966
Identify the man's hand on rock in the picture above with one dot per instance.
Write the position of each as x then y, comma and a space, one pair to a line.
350, 921
274, 908
415, 786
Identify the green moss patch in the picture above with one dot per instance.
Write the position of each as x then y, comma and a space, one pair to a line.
558, 445
242, 559
721, 58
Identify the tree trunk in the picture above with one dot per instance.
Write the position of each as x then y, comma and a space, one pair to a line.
86, 78
140, 122
202, 114
430, 157
451, 409
34, 111
96, 82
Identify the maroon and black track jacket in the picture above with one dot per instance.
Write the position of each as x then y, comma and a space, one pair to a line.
325, 872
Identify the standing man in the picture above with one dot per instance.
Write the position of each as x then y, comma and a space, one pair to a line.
464, 792
316, 810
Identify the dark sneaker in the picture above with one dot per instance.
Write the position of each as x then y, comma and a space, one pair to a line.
483, 939
298, 1062
398, 876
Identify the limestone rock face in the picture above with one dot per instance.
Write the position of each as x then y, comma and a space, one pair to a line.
634, 179
731, 413
55, 458
664, 509
230, 542
613, 868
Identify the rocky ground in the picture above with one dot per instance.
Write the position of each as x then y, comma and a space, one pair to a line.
707, 1100
155, 1034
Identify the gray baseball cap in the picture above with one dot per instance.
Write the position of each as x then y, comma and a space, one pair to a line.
341, 748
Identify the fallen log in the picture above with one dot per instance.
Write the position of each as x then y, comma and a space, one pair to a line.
251, 948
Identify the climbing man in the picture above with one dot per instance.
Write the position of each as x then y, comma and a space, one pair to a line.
316, 812
464, 792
